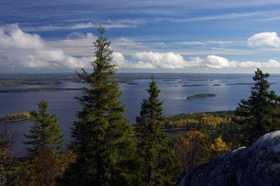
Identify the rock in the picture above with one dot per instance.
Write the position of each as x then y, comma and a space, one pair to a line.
258, 165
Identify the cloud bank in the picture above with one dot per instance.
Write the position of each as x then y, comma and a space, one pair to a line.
24, 52
20, 51
173, 61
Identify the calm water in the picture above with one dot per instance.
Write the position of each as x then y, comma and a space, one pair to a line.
229, 90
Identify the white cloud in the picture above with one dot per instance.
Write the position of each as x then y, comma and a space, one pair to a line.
168, 60
173, 61
118, 59
85, 25
75, 44
21, 51
264, 39
151, 60
217, 62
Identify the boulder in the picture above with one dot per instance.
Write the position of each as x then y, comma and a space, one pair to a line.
257, 165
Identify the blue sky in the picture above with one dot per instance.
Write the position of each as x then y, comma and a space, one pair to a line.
157, 36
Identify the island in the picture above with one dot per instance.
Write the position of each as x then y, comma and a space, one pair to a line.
15, 117
201, 95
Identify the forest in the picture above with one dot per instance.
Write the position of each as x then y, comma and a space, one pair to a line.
107, 150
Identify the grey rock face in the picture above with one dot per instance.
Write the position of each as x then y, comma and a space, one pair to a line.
258, 165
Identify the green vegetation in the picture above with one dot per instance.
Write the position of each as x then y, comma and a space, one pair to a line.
8, 173
45, 132
107, 150
259, 113
104, 140
195, 148
202, 136
159, 164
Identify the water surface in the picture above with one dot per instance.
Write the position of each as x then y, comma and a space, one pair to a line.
175, 88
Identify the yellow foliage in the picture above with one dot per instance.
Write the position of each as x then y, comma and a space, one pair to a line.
212, 120
204, 119
219, 146
193, 149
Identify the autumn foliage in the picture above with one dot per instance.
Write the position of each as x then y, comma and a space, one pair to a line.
195, 148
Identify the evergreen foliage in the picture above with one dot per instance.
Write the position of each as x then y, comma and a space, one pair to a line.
159, 166
104, 140
45, 132
42, 170
7, 163
257, 114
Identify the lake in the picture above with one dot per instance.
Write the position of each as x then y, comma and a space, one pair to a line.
228, 89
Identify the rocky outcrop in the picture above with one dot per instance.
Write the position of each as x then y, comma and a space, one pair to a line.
258, 165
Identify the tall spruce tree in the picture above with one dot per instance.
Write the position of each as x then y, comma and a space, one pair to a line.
257, 114
45, 132
158, 159
104, 140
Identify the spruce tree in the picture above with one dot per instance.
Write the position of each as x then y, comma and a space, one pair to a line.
103, 139
159, 164
45, 133
257, 114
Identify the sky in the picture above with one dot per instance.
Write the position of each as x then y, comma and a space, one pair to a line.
186, 36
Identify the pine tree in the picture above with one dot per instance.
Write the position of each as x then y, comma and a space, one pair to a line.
104, 140
45, 132
158, 158
256, 115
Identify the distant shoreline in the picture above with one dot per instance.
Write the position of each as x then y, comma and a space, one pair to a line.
38, 90
25, 116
